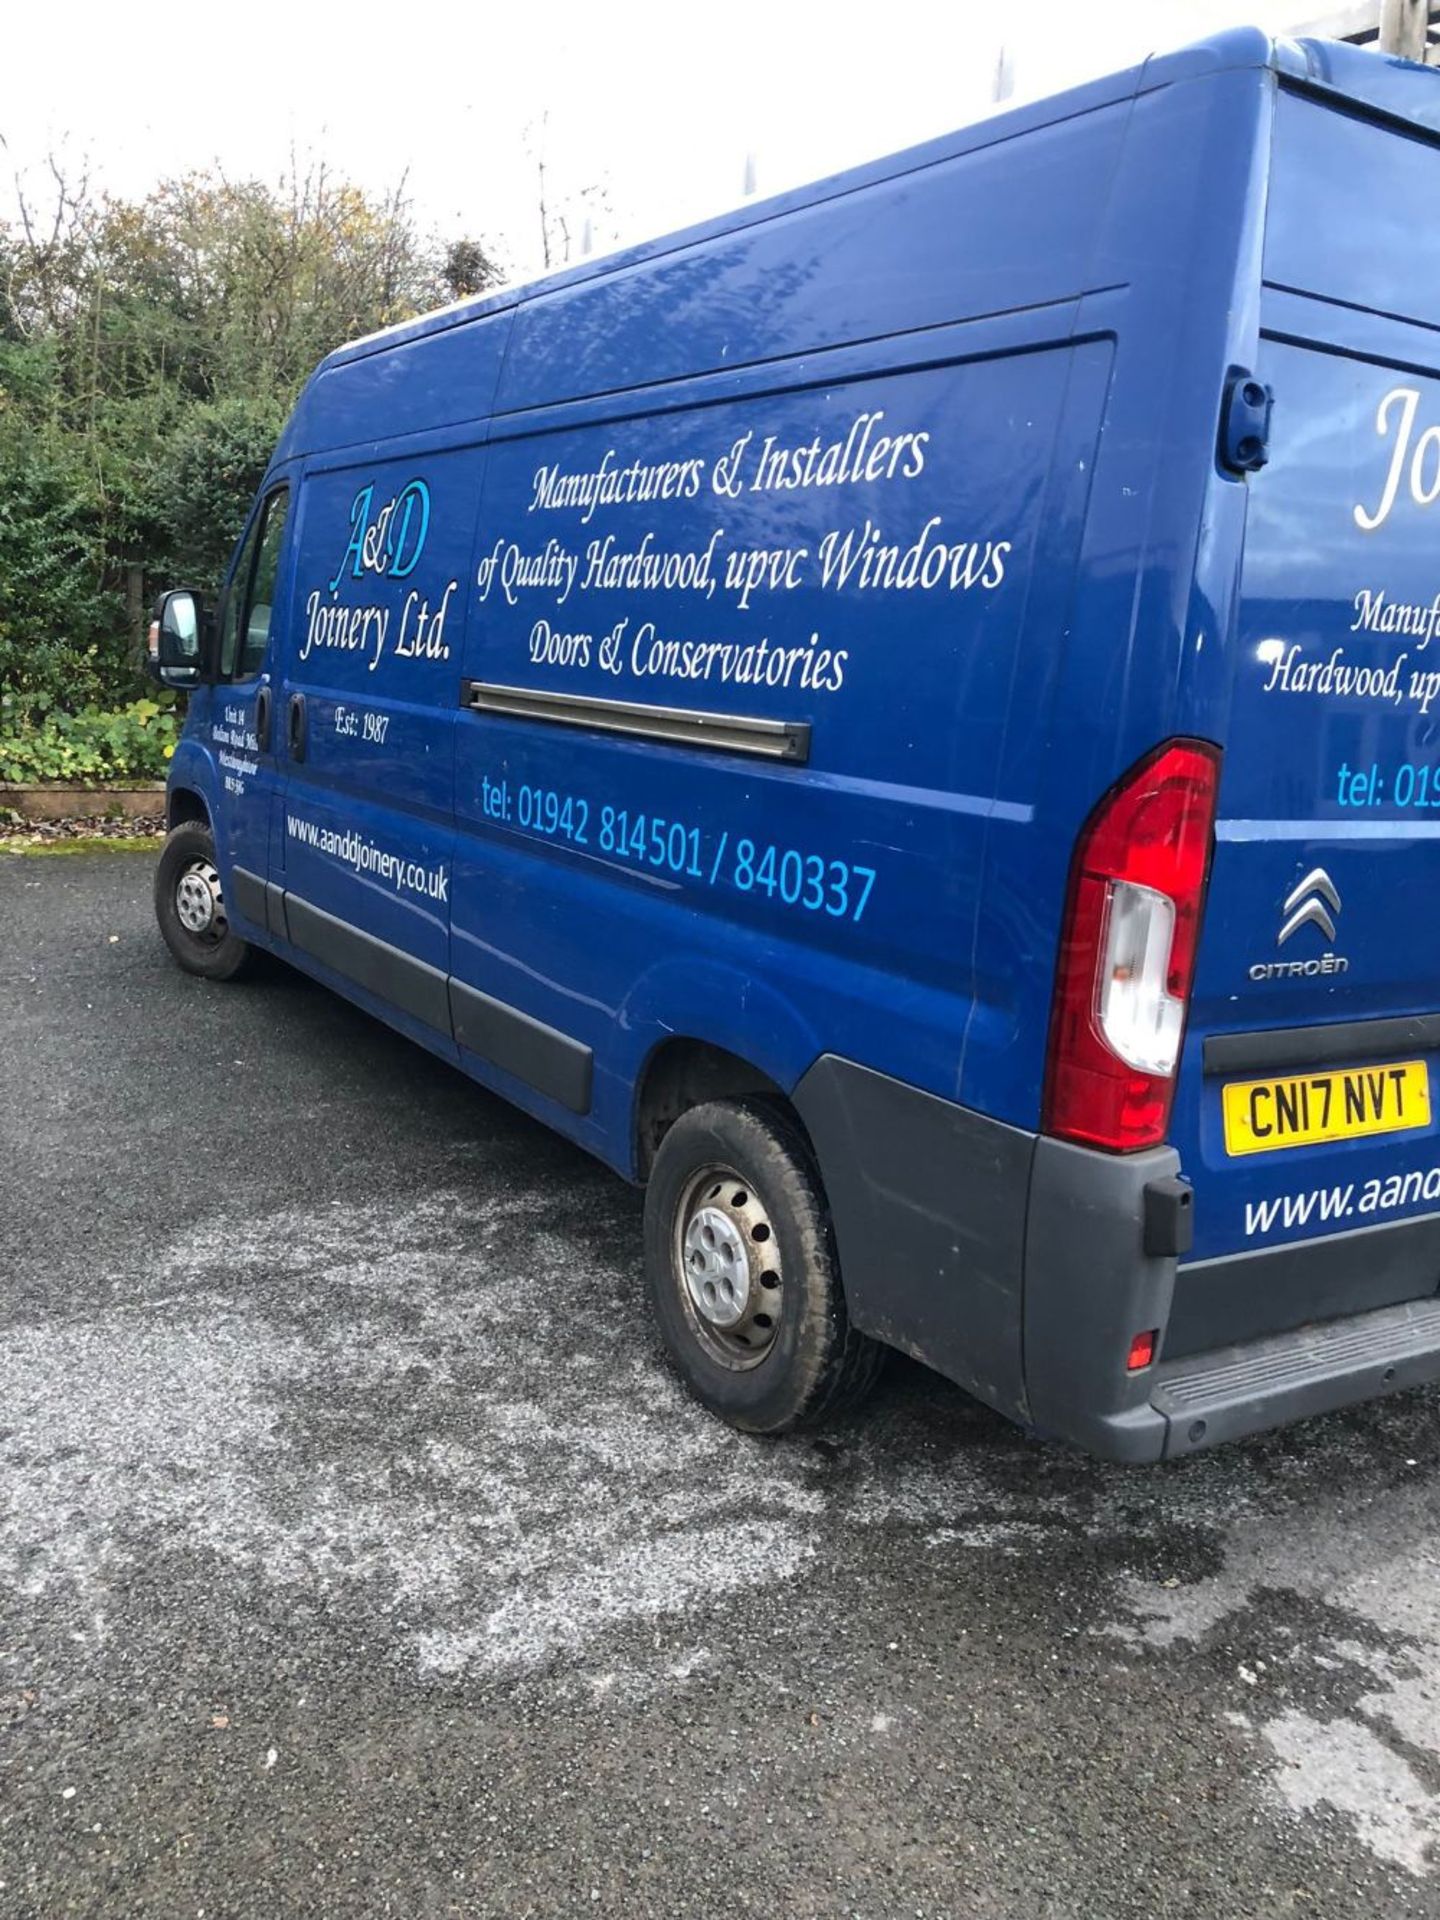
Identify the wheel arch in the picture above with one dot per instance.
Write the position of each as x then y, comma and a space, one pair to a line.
682, 1072
697, 1029
184, 804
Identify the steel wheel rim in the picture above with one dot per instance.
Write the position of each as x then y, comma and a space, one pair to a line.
726, 1260
199, 903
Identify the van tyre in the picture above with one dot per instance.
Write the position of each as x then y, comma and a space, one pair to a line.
741, 1270
190, 906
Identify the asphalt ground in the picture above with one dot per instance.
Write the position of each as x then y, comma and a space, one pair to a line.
359, 1556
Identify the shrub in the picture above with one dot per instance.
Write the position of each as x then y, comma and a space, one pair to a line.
134, 742
62, 634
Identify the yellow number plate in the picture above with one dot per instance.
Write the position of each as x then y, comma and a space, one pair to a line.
1309, 1108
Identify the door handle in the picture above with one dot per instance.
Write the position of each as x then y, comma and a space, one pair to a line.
262, 719
296, 726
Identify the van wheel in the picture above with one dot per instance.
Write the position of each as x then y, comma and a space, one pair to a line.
190, 906
740, 1264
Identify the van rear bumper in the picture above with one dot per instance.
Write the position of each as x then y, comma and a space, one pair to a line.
1023, 1267
1090, 1286
1209, 1398
1231, 1391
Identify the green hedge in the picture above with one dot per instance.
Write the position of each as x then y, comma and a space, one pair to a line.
133, 742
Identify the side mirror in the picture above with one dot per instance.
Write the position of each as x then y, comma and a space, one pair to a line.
173, 651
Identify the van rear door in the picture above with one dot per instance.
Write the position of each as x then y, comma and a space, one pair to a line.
1305, 1106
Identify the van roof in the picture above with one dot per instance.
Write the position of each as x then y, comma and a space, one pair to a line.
1390, 88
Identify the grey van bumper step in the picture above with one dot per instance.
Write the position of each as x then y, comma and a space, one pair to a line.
1208, 1398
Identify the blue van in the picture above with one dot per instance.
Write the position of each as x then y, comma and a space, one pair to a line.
907, 720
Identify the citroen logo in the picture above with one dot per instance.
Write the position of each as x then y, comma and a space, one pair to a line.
1314, 903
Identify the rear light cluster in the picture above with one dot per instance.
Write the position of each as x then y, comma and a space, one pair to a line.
1127, 951
1142, 1351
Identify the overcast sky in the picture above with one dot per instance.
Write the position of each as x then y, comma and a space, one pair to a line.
656, 105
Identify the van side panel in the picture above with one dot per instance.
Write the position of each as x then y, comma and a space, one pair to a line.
940, 715
852, 559
1007, 227
854, 549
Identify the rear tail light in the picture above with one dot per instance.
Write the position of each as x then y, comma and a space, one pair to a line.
1127, 951
1142, 1351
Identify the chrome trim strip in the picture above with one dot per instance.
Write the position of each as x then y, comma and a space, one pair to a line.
787, 740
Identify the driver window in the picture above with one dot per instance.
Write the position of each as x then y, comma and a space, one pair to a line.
245, 632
